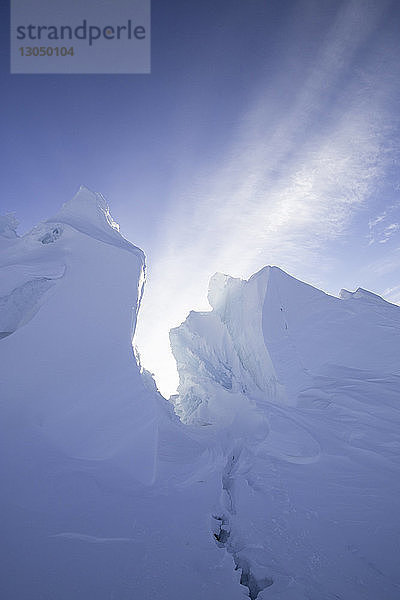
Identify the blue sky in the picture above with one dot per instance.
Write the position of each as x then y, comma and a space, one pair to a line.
267, 133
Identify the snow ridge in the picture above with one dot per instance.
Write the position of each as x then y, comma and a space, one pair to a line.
301, 390
88, 212
287, 490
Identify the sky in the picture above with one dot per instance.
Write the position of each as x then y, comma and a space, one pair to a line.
266, 133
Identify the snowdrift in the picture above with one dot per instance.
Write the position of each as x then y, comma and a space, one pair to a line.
303, 389
279, 480
105, 494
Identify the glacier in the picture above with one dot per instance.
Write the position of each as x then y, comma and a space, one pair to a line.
272, 473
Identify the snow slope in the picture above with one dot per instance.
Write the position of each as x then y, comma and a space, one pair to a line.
282, 481
303, 389
105, 494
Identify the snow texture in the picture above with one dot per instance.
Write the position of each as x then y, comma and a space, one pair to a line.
279, 480
302, 389
8, 226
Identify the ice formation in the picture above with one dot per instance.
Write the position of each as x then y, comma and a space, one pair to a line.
279, 480
105, 494
303, 390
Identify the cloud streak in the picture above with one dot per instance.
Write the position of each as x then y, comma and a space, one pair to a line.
384, 226
393, 294
291, 181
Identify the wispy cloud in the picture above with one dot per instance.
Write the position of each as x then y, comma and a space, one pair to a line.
392, 294
385, 265
383, 227
389, 231
291, 181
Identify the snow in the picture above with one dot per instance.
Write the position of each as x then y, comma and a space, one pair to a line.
280, 479
311, 479
91, 455
8, 226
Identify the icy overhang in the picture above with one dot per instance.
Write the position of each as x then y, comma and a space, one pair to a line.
88, 212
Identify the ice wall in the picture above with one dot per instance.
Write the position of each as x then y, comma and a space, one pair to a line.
225, 348
77, 349
268, 336
104, 493
302, 390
